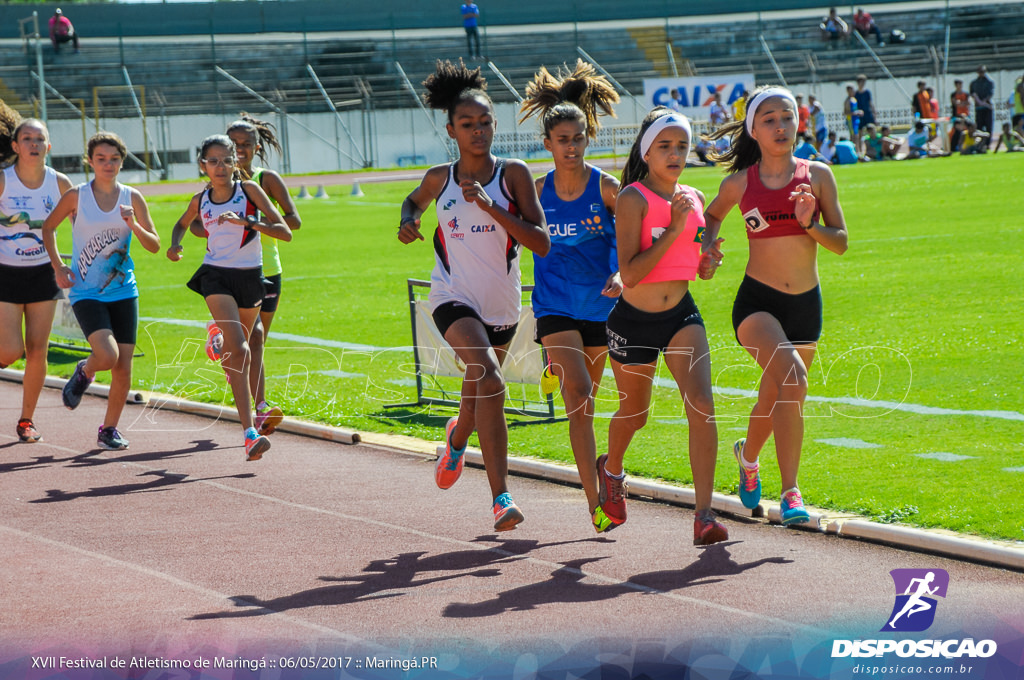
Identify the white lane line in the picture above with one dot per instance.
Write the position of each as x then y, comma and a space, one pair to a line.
186, 585
849, 443
944, 456
556, 566
917, 409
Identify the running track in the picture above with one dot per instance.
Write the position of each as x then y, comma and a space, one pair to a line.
178, 546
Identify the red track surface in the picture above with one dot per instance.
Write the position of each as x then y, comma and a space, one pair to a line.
178, 544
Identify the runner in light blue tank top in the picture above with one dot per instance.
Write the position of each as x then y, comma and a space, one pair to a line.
577, 283
107, 217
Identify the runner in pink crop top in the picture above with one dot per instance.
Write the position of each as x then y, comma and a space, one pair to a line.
768, 213
680, 262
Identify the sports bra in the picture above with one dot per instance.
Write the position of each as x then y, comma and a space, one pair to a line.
768, 213
679, 263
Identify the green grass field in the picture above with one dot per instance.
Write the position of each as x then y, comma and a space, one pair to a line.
915, 410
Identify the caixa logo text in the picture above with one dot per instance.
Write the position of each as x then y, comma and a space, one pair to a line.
949, 649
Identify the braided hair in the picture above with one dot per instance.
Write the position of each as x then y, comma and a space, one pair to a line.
569, 96
265, 132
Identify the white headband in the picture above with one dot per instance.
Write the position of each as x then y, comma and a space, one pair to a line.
760, 98
672, 120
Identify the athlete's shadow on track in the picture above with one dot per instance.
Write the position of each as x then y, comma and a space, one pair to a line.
390, 577
567, 584
163, 480
89, 458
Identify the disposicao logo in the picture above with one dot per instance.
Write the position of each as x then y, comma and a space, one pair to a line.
914, 611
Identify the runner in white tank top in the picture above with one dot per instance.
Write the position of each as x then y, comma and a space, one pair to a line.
235, 215
486, 208
28, 290
476, 261
230, 245
22, 211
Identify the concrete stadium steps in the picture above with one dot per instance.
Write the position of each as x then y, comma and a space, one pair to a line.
179, 75
991, 34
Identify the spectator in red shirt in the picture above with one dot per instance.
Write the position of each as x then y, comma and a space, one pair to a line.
61, 31
865, 25
803, 114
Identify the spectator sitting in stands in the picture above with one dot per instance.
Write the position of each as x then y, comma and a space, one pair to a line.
846, 152
1011, 139
827, 150
917, 141
872, 143
702, 148
61, 31
956, 134
833, 29
865, 25
805, 149
974, 140
890, 144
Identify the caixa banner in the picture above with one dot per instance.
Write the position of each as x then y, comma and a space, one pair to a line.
696, 94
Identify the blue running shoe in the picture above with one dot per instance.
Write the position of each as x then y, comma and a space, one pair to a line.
792, 508
506, 513
449, 464
750, 479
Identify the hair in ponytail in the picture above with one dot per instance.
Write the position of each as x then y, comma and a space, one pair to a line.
266, 133
451, 84
635, 169
575, 95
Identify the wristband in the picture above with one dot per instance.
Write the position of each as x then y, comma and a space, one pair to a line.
252, 220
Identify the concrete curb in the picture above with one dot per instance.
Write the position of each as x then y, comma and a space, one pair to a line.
948, 544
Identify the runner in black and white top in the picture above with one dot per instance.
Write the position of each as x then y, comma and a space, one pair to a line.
101, 276
28, 291
231, 277
486, 208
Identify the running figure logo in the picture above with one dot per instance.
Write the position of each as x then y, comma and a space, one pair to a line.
914, 610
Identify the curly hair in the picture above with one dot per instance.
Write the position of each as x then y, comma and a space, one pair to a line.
266, 133
10, 120
451, 84
571, 95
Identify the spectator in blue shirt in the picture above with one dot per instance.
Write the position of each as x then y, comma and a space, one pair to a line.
805, 149
470, 14
846, 152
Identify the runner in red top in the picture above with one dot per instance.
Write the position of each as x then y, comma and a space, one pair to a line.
789, 207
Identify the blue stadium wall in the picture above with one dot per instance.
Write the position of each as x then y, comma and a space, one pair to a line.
111, 19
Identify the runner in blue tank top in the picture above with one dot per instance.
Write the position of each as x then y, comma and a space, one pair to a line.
576, 284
